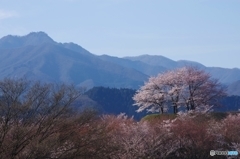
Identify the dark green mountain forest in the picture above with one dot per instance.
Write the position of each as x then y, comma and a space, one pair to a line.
116, 101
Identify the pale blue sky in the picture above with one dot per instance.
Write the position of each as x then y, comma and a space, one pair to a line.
206, 31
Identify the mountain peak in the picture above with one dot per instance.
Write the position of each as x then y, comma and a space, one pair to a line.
39, 34
33, 38
36, 38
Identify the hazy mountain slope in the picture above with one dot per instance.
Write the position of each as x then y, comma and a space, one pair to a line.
234, 88
137, 65
155, 60
37, 56
224, 75
158, 60
182, 63
51, 61
76, 48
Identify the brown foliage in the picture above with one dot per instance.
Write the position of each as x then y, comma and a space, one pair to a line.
37, 121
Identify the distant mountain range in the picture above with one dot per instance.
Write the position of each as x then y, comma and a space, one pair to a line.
36, 56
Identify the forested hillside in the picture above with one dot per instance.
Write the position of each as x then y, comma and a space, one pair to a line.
116, 101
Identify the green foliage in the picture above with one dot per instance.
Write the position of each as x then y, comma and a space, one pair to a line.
159, 117
197, 117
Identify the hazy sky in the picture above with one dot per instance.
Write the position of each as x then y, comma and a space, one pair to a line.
206, 31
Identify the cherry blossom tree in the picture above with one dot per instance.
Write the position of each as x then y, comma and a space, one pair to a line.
188, 86
200, 89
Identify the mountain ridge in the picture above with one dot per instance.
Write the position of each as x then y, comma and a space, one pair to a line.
54, 61
38, 56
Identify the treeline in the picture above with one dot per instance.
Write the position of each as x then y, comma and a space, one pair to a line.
116, 101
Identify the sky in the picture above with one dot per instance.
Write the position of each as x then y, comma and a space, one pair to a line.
206, 31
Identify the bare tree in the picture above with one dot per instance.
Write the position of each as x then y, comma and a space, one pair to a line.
187, 86
31, 118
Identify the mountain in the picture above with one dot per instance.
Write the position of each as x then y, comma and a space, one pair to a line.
155, 60
56, 62
34, 38
137, 65
37, 56
234, 88
182, 63
158, 60
225, 75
